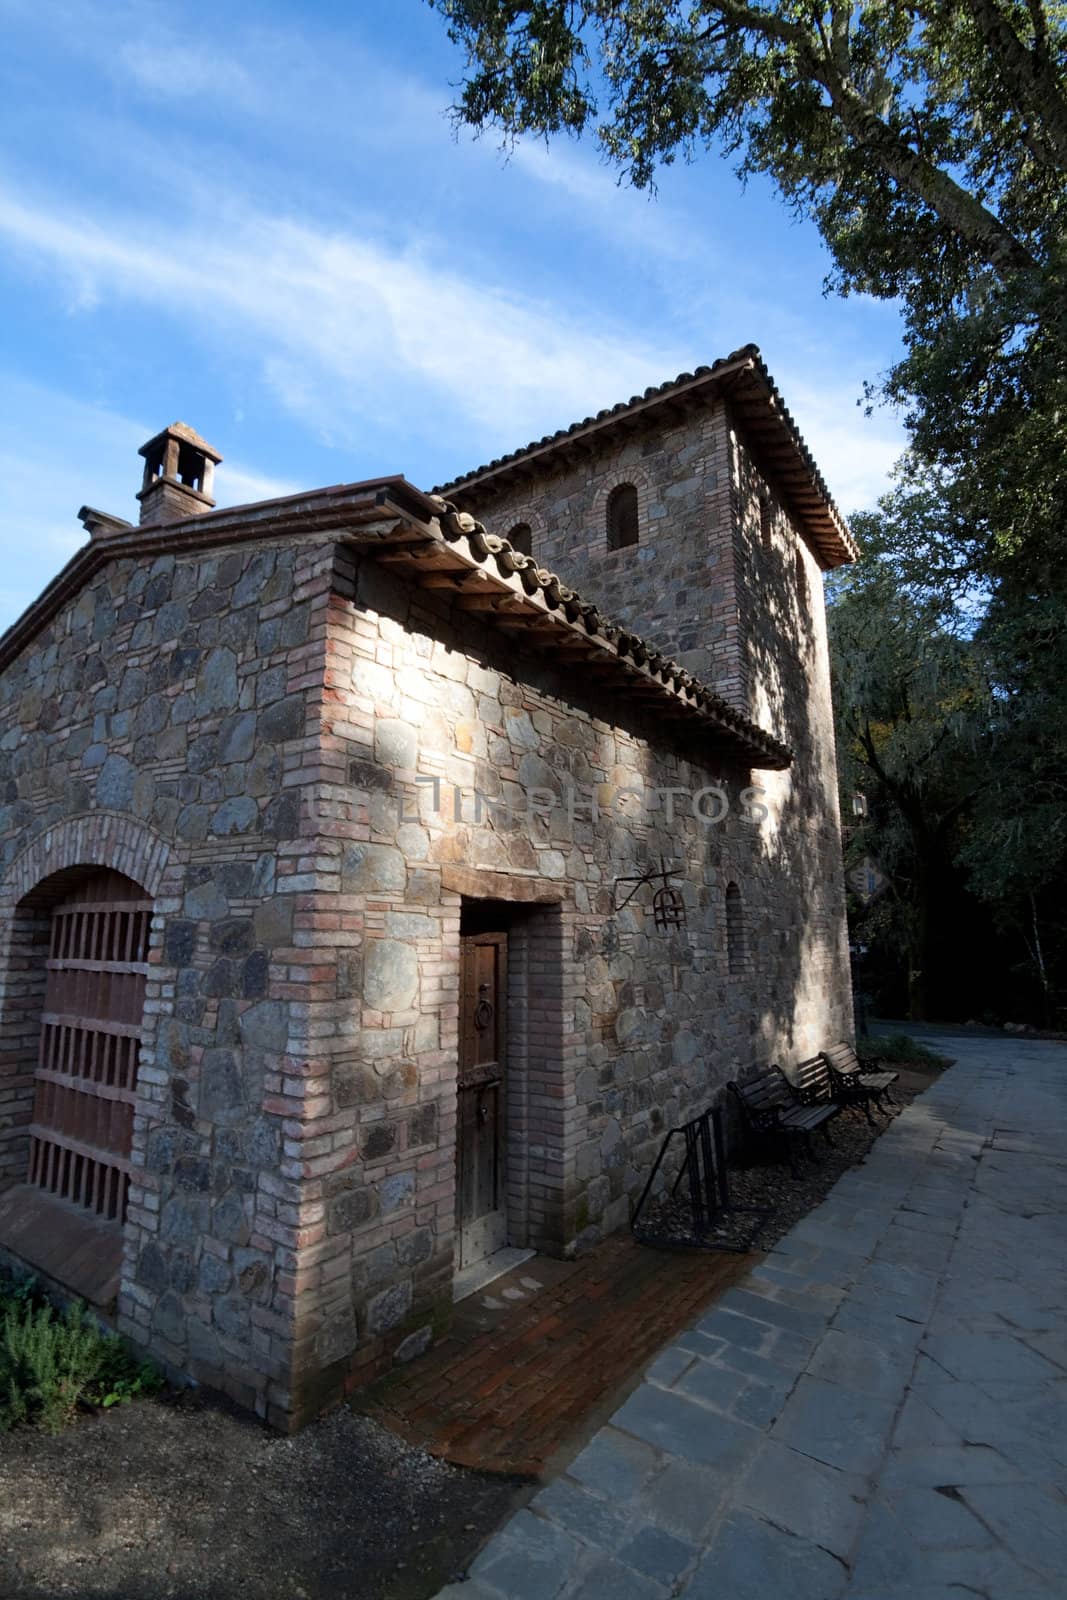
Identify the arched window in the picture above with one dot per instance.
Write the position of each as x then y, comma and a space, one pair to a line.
85, 1085
521, 538
735, 929
803, 594
622, 517
766, 520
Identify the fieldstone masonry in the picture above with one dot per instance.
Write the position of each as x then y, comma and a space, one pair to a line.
313, 766
678, 584
160, 726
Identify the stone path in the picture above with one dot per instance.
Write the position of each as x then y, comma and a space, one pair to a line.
878, 1412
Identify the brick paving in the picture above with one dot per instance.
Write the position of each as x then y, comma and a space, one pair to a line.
531, 1357
879, 1412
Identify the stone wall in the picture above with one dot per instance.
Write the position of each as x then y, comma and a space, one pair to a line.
676, 586
786, 673
634, 1028
722, 579
271, 740
166, 724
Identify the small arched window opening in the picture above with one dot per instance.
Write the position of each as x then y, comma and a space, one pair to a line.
803, 593
622, 517
735, 929
766, 520
520, 537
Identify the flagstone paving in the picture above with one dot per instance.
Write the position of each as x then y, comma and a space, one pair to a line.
877, 1412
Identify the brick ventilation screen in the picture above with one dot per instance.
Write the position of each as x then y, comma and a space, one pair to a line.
90, 1045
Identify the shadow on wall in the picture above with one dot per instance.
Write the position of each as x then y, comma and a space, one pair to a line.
664, 1018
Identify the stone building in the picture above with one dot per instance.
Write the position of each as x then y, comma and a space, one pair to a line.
321, 977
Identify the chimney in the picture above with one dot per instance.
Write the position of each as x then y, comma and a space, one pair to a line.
179, 468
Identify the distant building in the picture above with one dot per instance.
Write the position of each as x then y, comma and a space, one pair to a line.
319, 982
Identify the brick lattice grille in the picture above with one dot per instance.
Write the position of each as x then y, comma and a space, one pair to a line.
86, 1080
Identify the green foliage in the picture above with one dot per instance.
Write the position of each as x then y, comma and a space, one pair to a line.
929, 145
51, 1363
951, 709
928, 142
898, 1047
870, 114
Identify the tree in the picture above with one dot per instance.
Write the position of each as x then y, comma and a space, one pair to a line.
911, 708
952, 718
925, 138
928, 140
1014, 848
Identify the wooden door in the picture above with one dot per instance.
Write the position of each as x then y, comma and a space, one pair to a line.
86, 1080
481, 1191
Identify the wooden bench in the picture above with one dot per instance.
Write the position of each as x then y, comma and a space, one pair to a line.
811, 1081
853, 1083
773, 1112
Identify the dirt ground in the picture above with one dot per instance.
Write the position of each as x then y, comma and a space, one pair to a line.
188, 1501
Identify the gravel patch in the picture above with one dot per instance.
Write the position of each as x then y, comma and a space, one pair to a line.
188, 1500
769, 1200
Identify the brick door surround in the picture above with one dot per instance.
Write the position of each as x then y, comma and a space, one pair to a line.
539, 1074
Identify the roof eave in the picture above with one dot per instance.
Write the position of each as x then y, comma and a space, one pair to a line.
325, 510
447, 550
745, 383
455, 557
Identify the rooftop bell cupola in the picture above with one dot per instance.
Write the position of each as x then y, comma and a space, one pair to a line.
179, 470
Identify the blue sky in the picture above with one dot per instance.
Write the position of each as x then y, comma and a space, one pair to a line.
257, 219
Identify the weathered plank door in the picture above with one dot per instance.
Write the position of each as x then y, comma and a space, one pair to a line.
86, 1080
481, 1192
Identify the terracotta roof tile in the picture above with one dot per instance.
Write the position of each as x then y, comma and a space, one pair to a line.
465, 547
744, 378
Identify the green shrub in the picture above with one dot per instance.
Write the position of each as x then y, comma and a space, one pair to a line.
51, 1362
898, 1047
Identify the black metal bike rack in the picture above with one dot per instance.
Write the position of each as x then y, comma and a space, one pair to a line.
708, 1182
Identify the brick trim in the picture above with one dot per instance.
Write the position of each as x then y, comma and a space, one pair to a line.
40, 875
627, 472
94, 839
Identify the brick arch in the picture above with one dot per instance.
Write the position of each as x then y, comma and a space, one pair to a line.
534, 520
624, 473
95, 839
47, 869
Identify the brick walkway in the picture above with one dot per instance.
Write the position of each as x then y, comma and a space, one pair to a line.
536, 1353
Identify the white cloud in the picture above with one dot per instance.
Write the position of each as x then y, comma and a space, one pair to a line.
346, 327
236, 486
163, 66
304, 77
394, 110
618, 211
366, 328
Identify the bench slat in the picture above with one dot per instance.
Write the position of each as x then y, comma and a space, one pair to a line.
851, 1084
776, 1108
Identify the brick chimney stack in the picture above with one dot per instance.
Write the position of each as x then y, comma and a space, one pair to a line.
179, 469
